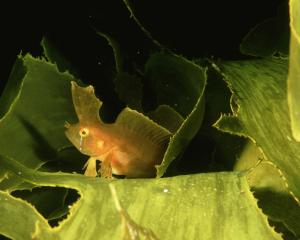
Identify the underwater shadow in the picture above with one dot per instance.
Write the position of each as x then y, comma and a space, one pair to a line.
41, 146
67, 159
281, 208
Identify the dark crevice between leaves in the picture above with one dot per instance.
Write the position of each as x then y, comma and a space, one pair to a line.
272, 203
103, 86
207, 152
270, 37
53, 203
149, 100
102, 66
219, 101
2, 237
197, 157
281, 228
68, 159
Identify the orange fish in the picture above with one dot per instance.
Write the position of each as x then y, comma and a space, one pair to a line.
131, 146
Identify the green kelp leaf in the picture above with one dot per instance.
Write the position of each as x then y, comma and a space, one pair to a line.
209, 206
281, 209
132, 230
294, 69
32, 130
221, 157
180, 84
269, 37
45, 199
259, 88
269, 188
12, 87
19, 220
262, 173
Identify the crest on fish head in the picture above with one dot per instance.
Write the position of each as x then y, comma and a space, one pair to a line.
86, 135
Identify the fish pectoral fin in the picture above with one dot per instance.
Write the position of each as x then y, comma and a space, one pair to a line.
90, 166
105, 169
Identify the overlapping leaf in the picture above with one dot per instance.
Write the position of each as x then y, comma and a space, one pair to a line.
178, 83
32, 129
206, 206
259, 91
294, 69
270, 189
268, 37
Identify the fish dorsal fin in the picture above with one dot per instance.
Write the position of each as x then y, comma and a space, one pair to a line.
143, 126
167, 117
86, 104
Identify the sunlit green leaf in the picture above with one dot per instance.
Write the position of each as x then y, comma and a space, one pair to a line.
19, 220
270, 189
294, 69
209, 206
259, 88
12, 87
32, 129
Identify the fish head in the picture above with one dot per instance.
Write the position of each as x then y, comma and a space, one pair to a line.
87, 139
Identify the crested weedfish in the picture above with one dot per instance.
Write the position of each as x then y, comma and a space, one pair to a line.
130, 146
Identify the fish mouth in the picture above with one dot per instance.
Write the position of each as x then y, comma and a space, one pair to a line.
68, 135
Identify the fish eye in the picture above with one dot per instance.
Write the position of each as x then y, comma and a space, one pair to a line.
84, 132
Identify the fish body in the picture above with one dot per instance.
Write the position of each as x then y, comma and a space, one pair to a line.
127, 152
131, 146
